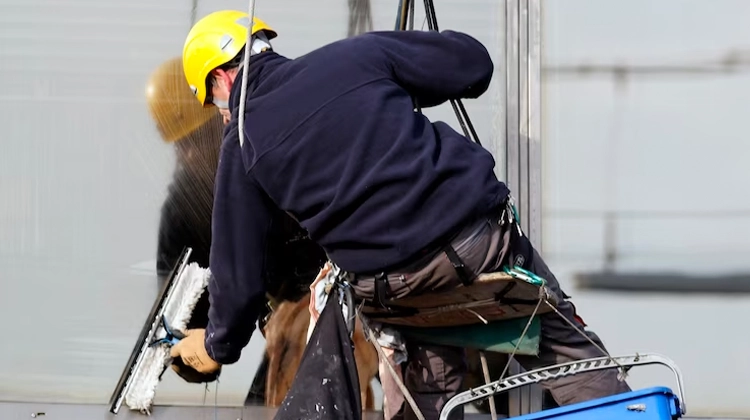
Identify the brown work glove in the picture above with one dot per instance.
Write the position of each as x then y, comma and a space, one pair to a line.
192, 351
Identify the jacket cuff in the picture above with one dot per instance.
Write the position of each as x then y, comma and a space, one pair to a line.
222, 353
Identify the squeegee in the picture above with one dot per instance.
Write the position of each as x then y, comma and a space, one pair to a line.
169, 316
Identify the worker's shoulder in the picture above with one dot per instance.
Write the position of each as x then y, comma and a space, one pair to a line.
362, 45
357, 55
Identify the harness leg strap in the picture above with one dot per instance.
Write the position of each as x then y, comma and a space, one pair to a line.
458, 265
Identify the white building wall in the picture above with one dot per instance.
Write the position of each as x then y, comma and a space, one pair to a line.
83, 174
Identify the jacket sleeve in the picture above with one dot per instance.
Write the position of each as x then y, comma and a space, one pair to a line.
436, 66
240, 224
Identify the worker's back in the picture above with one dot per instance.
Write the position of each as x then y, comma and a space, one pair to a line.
333, 139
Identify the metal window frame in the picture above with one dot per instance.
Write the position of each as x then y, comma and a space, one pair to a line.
516, 141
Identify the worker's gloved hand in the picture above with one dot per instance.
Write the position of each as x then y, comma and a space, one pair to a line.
192, 351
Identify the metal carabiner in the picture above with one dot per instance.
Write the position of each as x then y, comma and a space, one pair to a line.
525, 275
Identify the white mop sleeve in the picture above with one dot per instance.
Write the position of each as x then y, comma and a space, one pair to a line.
178, 309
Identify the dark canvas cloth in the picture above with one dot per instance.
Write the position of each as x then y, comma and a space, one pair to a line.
326, 385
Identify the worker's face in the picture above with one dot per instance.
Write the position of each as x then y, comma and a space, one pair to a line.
220, 90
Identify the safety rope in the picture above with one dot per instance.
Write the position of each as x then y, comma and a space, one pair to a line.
396, 377
216, 398
193, 12
406, 7
623, 370
245, 65
529, 277
523, 334
487, 380
360, 17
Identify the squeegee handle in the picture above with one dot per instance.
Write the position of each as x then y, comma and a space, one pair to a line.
172, 340
173, 336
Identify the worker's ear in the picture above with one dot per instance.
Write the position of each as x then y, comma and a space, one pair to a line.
223, 80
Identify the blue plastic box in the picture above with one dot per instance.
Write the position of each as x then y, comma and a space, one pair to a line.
658, 403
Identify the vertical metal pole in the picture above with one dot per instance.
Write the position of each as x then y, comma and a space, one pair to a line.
534, 227
523, 151
512, 96
518, 399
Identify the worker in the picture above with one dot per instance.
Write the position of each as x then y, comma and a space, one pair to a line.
399, 202
185, 221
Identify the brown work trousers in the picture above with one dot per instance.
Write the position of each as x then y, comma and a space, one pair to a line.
434, 373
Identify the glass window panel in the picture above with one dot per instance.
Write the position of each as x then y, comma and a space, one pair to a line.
645, 162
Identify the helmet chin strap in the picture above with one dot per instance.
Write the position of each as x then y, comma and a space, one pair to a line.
220, 104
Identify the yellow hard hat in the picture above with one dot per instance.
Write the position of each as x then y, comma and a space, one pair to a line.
213, 41
171, 104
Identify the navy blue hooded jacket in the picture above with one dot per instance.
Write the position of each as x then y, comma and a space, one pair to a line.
332, 138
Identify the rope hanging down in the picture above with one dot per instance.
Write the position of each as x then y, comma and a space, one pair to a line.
245, 66
360, 17
406, 12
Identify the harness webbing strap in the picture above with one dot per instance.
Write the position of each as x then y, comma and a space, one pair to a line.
381, 289
458, 265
